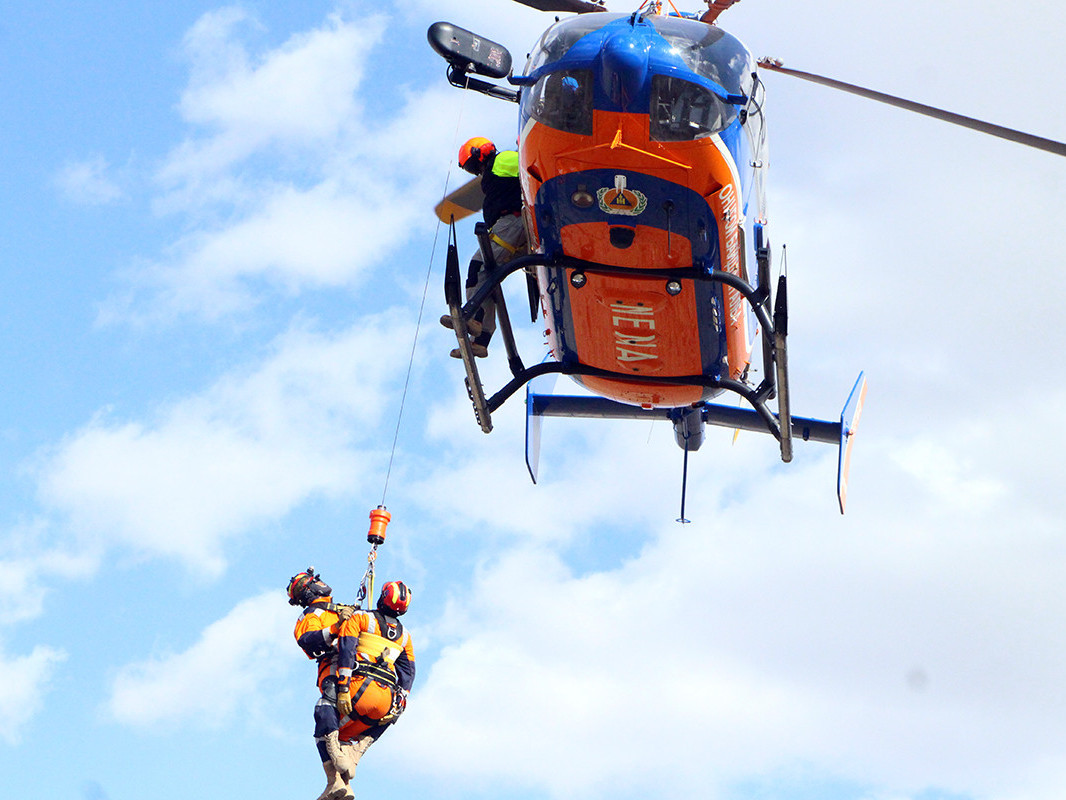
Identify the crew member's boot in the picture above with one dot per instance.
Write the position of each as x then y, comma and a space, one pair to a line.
343, 763
335, 787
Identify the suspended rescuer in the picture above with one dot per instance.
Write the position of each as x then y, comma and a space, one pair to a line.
318, 632
375, 669
502, 210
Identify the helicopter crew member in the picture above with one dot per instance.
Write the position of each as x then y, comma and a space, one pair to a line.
375, 670
316, 632
502, 210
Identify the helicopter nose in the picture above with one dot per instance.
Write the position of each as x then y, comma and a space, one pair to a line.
624, 65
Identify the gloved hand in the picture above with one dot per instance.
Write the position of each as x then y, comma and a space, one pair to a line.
345, 613
344, 702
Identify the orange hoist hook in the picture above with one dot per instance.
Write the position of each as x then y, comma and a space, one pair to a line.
379, 521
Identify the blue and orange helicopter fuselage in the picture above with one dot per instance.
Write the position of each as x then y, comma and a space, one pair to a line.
638, 164
642, 147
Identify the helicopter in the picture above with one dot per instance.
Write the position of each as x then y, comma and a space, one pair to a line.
642, 151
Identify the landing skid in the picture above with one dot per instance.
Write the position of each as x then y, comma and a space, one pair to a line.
687, 421
474, 388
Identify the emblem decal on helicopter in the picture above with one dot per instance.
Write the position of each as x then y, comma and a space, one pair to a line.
621, 200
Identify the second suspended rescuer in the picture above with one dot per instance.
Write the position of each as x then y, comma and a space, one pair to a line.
502, 211
375, 668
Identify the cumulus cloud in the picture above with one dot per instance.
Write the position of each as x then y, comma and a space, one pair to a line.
294, 239
24, 580
210, 681
339, 190
247, 449
893, 648
88, 182
22, 688
298, 94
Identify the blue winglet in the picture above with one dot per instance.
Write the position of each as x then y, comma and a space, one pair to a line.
849, 423
542, 385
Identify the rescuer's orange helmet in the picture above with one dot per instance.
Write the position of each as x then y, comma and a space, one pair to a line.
395, 598
474, 152
304, 587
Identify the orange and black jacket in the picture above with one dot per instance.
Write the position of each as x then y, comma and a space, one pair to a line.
352, 662
316, 633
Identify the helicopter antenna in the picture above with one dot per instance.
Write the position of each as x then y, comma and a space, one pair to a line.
1028, 139
684, 484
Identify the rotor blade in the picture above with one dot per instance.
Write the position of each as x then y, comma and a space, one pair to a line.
571, 6
714, 8
461, 203
1028, 139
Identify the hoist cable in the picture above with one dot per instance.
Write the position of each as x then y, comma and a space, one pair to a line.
421, 310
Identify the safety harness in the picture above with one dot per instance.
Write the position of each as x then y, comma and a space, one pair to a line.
378, 665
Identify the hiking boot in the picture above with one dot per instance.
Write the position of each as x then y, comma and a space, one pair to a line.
335, 786
473, 327
341, 760
479, 351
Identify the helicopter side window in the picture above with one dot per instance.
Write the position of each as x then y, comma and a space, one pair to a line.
682, 111
562, 100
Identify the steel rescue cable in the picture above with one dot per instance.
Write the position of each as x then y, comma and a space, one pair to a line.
421, 309
380, 516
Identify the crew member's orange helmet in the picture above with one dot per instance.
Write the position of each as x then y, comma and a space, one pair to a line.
395, 598
474, 152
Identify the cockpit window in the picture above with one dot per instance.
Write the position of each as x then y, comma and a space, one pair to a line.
561, 36
682, 111
561, 100
709, 52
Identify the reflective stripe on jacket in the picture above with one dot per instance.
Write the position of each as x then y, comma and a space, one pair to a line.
313, 634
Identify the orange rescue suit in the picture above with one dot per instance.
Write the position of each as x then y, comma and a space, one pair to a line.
376, 662
316, 632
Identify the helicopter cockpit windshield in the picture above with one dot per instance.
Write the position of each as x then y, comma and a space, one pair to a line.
709, 51
679, 109
560, 37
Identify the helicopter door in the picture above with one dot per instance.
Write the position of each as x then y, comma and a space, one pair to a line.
755, 128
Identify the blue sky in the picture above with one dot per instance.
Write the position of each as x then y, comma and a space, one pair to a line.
214, 245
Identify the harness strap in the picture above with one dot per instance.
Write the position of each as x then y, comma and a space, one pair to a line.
510, 248
377, 673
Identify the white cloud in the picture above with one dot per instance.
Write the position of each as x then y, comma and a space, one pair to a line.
217, 677
299, 94
23, 681
904, 646
244, 452
345, 187
24, 581
88, 182
294, 239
